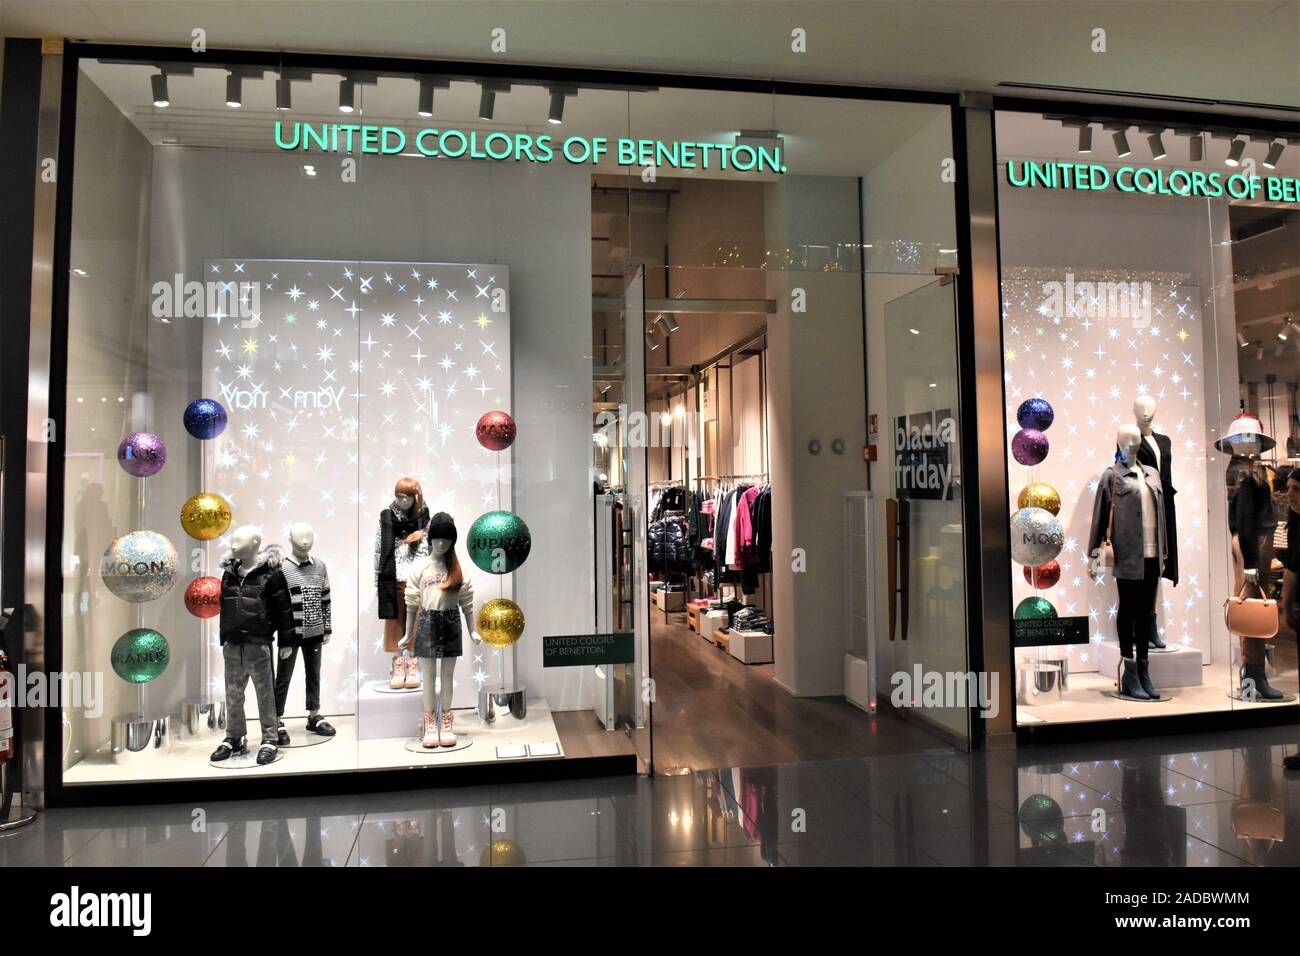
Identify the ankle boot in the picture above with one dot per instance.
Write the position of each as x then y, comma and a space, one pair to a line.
1263, 690
1130, 684
1144, 677
429, 732
1154, 640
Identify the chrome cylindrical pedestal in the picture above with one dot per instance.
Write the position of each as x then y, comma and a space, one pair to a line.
1039, 683
502, 707
135, 738
202, 718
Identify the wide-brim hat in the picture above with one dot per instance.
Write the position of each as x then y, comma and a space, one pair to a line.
1245, 437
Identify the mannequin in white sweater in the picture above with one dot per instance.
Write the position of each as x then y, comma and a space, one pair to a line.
439, 597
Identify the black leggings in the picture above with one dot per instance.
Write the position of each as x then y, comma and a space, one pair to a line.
1136, 601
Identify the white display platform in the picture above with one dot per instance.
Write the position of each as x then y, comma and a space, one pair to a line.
189, 759
1176, 667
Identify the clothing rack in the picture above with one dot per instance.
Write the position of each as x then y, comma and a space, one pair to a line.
763, 475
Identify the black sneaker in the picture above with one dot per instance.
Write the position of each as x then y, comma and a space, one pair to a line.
229, 748
282, 736
317, 725
267, 754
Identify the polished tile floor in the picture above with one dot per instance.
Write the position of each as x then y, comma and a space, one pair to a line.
1220, 800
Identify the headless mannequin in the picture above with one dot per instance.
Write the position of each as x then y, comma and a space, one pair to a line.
1144, 414
438, 673
1136, 593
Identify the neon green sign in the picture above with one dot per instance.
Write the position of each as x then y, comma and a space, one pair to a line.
1152, 180
526, 147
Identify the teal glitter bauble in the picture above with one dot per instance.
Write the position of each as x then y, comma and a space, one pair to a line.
499, 542
1035, 609
140, 655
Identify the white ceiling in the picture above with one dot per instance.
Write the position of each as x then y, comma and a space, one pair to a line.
1231, 50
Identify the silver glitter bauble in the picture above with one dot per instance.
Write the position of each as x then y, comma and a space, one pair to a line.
1036, 536
139, 567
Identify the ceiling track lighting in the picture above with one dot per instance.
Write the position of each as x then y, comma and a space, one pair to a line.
234, 90
555, 115
1122, 148
158, 83
347, 95
668, 322
283, 94
1085, 138
487, 103
1275, 150
1242, 341
1155, 139
426, 97
651, 342
1196, 148
1235, 151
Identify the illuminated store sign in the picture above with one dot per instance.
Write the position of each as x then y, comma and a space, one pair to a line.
525, 147
1152, 180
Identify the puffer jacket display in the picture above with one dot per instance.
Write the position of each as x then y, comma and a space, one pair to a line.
670, 548
257, 604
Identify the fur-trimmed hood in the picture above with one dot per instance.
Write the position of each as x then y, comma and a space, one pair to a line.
269, 555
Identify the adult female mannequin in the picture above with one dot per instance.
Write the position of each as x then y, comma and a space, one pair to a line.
1156, 451
438, 595
1129, 509
401, 531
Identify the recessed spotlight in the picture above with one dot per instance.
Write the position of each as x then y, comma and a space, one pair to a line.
283, 94
934, 384
158, 82
234, 91
1235, 152
1274, 154
347, 96
915, 331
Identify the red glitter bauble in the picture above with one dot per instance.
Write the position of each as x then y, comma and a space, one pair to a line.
203, 597
495, 431
1043, 576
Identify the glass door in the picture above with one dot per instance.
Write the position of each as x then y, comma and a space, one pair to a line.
923, 649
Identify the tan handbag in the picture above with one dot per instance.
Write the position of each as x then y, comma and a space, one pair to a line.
1106, 550
1251, 617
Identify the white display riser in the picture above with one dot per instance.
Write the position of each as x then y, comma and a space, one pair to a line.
1176, 667
382, 715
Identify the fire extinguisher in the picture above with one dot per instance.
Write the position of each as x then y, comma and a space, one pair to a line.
6, 710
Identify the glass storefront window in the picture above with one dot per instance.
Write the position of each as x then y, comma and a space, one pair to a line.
1148, 371
303, 376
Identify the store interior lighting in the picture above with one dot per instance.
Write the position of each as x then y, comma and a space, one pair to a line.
487, 103
1274, 156
1242, 341
1085, 138
1196, 148
556, 114
1157, 142
283, 94
652, 343
234, 90
426, 98
159, 84
1122, 148
347, 95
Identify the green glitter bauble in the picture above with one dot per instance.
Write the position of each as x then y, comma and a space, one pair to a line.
1042, 819
140, 655
499, 542
1035, 609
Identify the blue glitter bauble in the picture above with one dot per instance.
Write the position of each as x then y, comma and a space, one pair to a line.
205, 418
1035, 413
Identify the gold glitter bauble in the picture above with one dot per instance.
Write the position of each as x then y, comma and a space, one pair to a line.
500, 622
205, 516
502, 852
1040, 495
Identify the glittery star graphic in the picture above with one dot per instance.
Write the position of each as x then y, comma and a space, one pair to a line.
482, 321
249, 347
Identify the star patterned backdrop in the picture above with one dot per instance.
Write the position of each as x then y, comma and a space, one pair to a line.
351, 376
1091, 369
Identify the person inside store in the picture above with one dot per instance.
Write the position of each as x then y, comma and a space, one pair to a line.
1289, 555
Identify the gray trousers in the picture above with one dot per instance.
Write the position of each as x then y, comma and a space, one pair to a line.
245, 662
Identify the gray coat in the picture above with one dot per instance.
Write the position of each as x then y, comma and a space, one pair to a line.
1127, 538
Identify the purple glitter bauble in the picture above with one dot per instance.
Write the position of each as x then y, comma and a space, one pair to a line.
1029, 446
1035, 413
205, 418
142, 454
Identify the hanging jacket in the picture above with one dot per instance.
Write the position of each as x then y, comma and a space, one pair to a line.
254, 606
670, 549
